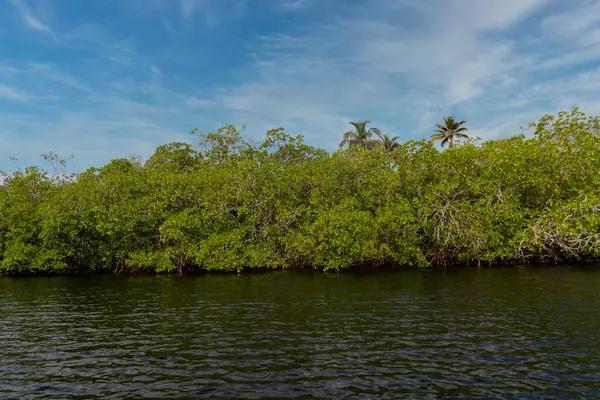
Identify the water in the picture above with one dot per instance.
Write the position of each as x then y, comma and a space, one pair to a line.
499, 333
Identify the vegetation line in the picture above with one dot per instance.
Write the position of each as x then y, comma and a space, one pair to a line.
225, 204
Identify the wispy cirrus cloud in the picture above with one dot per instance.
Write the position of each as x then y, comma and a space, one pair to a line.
43, 72
206, 13
212, 12
382, 60
10, 93
406, 63
28, 18
309, 65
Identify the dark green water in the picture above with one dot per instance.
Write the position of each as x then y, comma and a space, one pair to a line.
500, 333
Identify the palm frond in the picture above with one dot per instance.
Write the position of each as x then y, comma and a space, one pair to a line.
360, 135
359, 125
349, 139
375, 131
352, 143
450, 130
449, 121
350, 135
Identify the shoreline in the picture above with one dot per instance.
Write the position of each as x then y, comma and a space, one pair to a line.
359, 269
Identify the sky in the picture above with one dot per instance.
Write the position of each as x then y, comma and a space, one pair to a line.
114, 78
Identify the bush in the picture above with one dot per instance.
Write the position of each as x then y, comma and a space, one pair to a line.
228, 205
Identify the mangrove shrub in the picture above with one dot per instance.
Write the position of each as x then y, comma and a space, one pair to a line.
224, 203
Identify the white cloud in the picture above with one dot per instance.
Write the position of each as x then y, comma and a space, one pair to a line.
15, 94
27, 16
9, 93
195, 103
381, 61
407, 63
187, 8
402, 64
106, 129
291, 5
102, 125
212, 12
155, 72
575, 22
35, 71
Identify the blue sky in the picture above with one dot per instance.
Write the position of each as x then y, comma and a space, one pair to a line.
113, 78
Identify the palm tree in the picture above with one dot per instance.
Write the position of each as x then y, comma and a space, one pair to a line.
360, 135
449, 131
387, 143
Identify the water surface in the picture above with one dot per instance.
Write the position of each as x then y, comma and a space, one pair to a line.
491, 333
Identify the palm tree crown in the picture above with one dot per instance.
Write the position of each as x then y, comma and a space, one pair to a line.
360, 135
449, 131
387, 143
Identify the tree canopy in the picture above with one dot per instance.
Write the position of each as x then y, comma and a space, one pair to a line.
225, 204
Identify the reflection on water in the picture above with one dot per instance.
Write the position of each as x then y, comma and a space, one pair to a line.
512, 333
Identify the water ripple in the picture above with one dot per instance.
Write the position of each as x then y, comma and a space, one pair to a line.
506, 333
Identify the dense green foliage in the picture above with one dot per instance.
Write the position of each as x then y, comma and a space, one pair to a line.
224, 204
